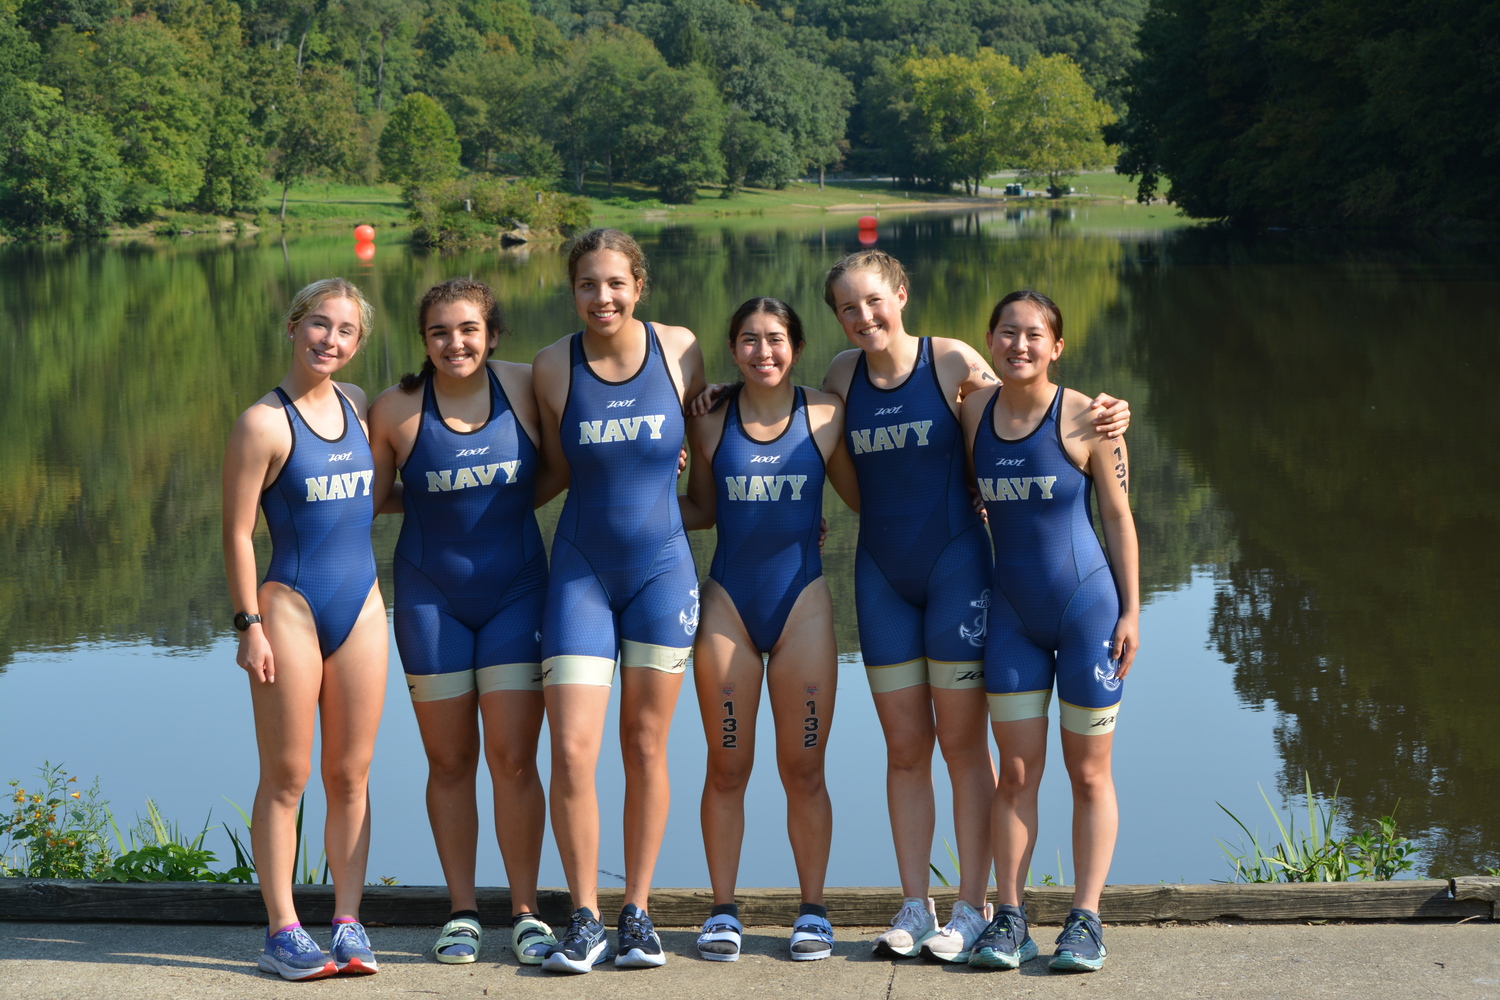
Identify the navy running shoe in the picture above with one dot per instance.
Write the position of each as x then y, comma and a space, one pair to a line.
639, 948
1004, 943
1080, 946
351, 949
582, 946
292, 954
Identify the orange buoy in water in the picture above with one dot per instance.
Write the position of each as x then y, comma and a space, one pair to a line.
365, 233
867, 237
868, 222
364, 250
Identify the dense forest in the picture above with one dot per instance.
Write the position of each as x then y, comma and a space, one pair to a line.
112, 110
1324, 112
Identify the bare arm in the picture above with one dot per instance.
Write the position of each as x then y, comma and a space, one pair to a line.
971, 413
390, 443
1109, 464
840, 374
826, 415
255, 449
699, 502
549, 381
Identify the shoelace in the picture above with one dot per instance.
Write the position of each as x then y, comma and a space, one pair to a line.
1077, 931
578, 929
909, 917
637, 928
1006, 924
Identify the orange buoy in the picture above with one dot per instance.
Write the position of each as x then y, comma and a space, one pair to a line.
364, 250
867, 237
365, 233
868, 222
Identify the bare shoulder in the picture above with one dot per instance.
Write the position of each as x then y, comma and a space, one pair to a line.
395, 405
704, 432
943, 347
263, 414
262, 429
678, 338
1075, 413
553, 358
841, 371
510, 373
819, 397
356, 397
971, 410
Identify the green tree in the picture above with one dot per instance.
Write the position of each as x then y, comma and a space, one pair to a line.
752, 152
60, 170
314, 128
676, 133
596, 97
234, 165
1058, 124
418, 146
964, 109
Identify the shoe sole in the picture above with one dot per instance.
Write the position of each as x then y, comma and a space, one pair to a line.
558, 962
637, 959
988, 958
455, 959
811, 956
354, 967
714, 956
295, 975
961, 958
1074, 964
884, 950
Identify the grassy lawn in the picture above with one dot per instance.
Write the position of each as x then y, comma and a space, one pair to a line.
315, 203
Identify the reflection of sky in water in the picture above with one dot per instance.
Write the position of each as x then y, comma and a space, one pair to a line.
185, 738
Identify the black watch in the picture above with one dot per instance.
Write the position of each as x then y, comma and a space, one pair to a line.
243, 621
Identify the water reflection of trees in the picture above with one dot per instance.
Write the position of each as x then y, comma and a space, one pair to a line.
129, 365
1335, 399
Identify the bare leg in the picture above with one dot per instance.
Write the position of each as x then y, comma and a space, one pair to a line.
352, 699
910, 735
961, 716
1096, 816
512, 726
450, 735
576, 714
1023, 753
647, 699
803, 678
285, 712
726, 673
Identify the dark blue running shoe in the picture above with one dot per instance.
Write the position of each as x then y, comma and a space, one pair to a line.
1080, 947
582, 946
1005, 942
351, 949
639, 948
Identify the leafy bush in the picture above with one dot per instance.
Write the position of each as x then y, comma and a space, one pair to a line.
54, 832
493, 203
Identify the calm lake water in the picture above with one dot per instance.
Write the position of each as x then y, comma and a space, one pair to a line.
1314, 486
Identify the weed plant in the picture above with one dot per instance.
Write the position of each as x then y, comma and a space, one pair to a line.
55, 830
1318, 854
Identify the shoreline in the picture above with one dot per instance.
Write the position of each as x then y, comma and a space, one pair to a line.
1471, 899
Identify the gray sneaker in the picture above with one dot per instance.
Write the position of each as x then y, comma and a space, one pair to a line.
954, 942
912, 925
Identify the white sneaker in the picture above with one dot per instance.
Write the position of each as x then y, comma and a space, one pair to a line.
912, 925
954, 942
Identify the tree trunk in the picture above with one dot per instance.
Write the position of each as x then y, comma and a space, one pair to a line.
284, 188
609, 171
380, 74
820, 177
578, 169
302, 42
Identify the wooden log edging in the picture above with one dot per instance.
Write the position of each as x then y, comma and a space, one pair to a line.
198, 902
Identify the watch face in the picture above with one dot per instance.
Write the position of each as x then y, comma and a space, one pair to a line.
243, 621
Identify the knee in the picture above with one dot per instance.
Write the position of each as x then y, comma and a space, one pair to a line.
963, 748
283, 781
909, 748
511, 761
346, 779
802, 778
1019, 776
1091, 781
644, 751
446, 765
728, 775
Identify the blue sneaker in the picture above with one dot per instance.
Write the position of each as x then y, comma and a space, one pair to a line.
292, 954
582, 946
639, 948
351, 949
1080, 946
1004, 943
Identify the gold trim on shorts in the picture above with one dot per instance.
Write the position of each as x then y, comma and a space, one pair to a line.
509, 677
1088, 721
894, 676
1020, 706
595, 670
957, 675
440, 687
667, 659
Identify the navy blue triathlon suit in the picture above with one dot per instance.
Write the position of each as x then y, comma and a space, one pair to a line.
922, 567
768, 507
319, 512
1055, 606
471, 573
623, 580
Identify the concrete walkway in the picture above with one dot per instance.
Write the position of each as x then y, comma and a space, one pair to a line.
1364, 961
